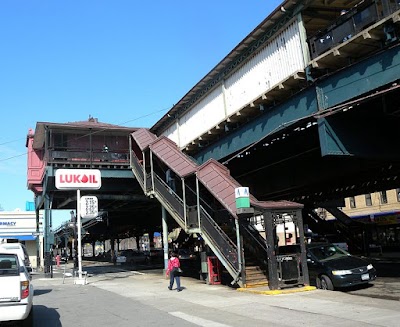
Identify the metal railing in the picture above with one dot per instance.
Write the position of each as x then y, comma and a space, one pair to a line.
87, 157
350, 24
222, 243
219, 242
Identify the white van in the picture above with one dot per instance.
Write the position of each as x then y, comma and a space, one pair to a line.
17, 248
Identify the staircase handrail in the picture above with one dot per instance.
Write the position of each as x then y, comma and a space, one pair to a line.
137, 169
227, 248
252, 232
170, 199
201, 200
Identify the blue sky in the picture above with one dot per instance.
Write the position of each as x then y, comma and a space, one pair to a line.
124, 62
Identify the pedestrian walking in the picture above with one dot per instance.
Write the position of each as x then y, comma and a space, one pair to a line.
58, 259
174, 272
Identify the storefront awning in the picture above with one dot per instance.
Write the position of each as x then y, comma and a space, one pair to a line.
20, 237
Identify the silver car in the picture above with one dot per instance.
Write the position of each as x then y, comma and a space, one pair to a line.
132, 257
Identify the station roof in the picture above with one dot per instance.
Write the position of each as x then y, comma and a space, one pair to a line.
90, 124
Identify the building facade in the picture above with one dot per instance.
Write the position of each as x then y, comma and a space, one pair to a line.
22, 226
382, 209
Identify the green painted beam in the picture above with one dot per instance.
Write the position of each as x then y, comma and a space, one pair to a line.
361, 78
297, 108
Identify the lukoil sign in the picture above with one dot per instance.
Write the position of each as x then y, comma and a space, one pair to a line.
74, 179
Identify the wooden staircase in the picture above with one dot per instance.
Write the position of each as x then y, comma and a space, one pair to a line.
255, 273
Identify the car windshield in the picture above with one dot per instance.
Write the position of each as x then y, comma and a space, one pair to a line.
328, 252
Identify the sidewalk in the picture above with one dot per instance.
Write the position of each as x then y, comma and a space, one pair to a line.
386, 286
216, 302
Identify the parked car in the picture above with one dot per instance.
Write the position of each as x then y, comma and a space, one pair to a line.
132, 257
335, 239
16, 290
20, 250
155, 255
331, 267
186, 254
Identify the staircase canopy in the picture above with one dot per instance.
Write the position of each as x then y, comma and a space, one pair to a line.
212, 174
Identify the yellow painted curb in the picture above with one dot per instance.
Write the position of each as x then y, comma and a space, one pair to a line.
276, 292
256, 285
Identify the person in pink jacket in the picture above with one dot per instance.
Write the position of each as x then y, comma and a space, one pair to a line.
173, 270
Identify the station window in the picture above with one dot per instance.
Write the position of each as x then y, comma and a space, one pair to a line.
368, 199
384, 199
352, 202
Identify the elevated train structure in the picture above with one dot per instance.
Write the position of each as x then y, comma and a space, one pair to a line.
304, 108
303, 111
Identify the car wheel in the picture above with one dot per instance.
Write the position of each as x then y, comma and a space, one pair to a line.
326, 283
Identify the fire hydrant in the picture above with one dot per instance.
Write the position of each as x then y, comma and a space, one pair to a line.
58, 259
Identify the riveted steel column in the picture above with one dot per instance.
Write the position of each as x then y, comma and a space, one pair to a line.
271, 255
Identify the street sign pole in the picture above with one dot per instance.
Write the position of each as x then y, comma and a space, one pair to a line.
79, 222
77, 179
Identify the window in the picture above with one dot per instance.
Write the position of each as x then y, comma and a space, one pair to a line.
368, 200
352, 202
398, 194
384, 199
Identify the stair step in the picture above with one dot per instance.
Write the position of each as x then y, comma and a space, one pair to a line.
256, 284
254, 272
253, 268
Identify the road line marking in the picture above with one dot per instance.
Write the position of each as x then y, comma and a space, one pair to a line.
196, 320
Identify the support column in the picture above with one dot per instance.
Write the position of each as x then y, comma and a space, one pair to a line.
112, 252
47, 235
269, 224
151, 240
165, 236
137, 240
303, 255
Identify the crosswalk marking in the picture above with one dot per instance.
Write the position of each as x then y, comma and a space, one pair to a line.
196, 320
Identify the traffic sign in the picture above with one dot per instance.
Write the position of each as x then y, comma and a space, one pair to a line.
89, 207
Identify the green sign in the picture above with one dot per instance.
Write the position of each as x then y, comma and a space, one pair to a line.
242, 196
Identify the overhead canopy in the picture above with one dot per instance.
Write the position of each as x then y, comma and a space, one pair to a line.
20, 237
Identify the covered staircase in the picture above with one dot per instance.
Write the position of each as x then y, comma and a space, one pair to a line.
202, 200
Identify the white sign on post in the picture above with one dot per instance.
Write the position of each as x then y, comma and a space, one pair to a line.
73, 179
89, 207
77, 179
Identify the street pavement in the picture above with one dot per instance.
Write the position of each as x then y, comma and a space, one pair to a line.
114, 295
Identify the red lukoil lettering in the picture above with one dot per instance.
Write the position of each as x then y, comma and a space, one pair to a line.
76, 179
